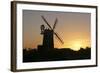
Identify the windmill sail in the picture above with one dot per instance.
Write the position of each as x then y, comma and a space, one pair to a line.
55, 23
46, 22
59, 38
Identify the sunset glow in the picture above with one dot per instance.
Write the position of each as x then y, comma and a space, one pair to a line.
76, 45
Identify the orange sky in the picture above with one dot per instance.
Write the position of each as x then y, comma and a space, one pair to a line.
73, 28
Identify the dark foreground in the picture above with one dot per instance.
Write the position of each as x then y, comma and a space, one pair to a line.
34, 55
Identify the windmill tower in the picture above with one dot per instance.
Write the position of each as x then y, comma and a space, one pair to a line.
48, 36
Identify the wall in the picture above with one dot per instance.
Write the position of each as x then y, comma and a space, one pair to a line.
5, 37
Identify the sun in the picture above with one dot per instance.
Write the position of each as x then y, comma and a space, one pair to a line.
76, 45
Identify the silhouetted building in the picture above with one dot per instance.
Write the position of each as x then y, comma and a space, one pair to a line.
48, 39
48, 43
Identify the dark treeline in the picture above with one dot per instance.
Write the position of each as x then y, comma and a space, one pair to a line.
35, 55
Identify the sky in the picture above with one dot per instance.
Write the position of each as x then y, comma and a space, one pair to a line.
73, 28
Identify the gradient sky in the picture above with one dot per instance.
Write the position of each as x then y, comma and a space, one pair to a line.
74, 28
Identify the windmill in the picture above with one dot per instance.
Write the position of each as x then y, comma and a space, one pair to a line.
48, 35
